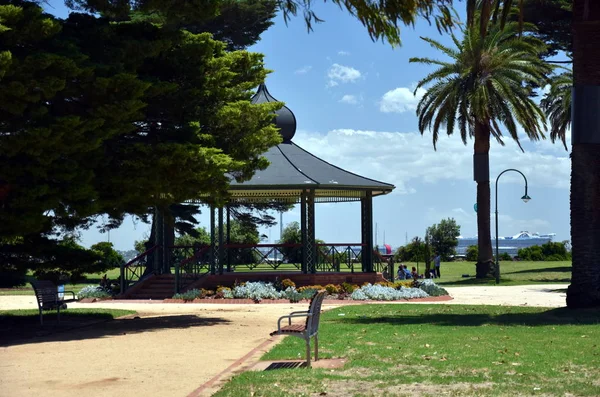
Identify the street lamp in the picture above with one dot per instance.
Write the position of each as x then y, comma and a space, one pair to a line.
525, 198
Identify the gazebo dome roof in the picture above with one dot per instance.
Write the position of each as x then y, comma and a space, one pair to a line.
294, 171
285, 119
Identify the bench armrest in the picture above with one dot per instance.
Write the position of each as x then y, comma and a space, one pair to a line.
67, 292
289, 317
302, 311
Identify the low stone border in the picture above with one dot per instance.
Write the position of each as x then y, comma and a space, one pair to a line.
287, 301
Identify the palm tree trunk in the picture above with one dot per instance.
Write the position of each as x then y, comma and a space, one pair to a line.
584, 290
485, 263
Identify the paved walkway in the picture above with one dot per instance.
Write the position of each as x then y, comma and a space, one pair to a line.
173, 349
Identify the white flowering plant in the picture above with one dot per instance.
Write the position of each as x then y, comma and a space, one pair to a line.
383, 293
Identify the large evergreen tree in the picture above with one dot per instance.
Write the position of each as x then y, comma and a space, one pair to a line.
103, 117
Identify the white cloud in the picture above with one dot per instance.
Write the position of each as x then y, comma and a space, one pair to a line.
408, 160
349, 99
400, 100
343, 53
342, 74
303, 70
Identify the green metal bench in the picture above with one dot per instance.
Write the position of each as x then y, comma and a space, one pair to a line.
307, 330
47, 297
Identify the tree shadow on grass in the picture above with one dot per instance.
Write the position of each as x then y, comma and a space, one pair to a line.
560, 316
564, 269
19, 330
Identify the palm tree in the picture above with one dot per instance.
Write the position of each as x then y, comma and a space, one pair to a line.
482, 87
557, 105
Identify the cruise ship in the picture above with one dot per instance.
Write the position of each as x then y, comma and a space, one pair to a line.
509, 244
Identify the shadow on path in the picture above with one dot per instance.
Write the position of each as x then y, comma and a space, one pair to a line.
560, 316
26, 329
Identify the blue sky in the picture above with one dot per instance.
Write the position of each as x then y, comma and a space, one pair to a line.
354, 104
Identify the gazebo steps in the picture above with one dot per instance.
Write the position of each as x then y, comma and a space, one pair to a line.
156, 287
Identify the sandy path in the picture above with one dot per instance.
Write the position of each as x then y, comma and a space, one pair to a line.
172, 349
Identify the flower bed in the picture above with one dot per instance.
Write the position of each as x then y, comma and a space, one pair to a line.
287, 291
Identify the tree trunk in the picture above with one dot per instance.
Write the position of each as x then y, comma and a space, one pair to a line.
485, 263
584, 290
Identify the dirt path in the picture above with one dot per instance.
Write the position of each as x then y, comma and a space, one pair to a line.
171, 349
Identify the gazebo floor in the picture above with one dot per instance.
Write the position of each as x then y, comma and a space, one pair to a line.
163, 286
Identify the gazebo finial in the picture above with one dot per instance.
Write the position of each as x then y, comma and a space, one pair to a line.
284, 119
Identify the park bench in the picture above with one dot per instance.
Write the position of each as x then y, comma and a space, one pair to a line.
307, 330
47, 297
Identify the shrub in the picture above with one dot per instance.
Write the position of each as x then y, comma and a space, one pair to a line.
224, 293
349, 288
472, 253
311, 287
257, 291
332, 289
381, 293
432, 288
404, 284
93, 291
505, 256
188, 295
286, 283
386, 284
11, 276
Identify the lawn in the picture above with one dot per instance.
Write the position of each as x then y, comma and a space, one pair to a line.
511, 273
441, 350
91, 279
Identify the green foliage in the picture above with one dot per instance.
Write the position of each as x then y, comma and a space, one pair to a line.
415, 251
292, 235
116, 117
188, 295
505, 256
472, 252
557, 105
443, 237
551, 251
11, 275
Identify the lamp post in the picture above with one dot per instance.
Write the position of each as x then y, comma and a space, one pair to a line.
525, 198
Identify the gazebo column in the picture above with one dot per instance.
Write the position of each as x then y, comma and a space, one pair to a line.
213, 241
221, 252
228, 239
366, 216
311, 246
303, 232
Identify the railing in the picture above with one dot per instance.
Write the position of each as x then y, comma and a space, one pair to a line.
195, 265
134, 270
262, 257
339, 257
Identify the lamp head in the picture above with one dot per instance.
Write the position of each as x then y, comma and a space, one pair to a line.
526, 198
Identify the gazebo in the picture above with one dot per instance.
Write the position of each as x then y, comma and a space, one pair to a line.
293, 176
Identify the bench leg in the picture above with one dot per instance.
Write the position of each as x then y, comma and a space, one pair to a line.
317, 347
308, 353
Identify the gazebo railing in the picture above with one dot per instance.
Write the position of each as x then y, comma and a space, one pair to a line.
262, 257
339, 257
191, 263
135, 270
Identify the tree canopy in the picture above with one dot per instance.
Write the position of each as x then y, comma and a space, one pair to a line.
443, 237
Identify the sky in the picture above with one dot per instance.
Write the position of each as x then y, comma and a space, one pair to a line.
355, 108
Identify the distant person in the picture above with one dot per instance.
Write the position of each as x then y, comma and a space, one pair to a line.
436, 263
407, 274
414, 273
401, 274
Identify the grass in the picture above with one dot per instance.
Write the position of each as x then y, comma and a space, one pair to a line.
441, 349
511, 273
91, 279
